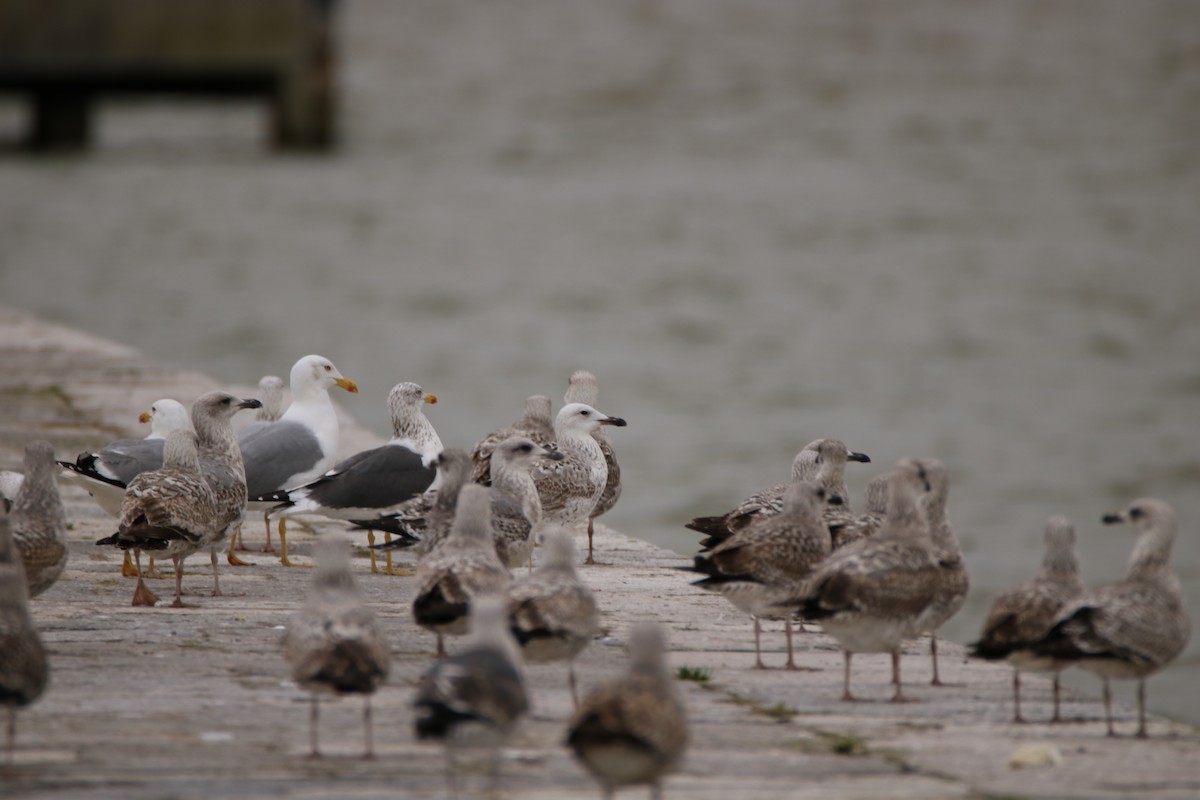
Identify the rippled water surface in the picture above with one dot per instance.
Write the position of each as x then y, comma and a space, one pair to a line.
967, 231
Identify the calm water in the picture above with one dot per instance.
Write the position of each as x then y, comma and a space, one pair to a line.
968, 231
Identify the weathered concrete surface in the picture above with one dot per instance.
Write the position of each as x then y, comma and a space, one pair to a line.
150, 703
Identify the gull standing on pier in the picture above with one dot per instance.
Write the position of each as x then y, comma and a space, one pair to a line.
537, 424
1131, 629
584, 388
516, 507
39, 526
1025, 614
23, 668
569, 489
871, 594
333, 643
297, 448
463, 567
952, 581
633, 730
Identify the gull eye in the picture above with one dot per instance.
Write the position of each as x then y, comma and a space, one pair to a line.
820, 493
526, 448
1136, 513
328, 368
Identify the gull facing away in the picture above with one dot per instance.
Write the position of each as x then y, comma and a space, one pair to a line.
536, 424
633, 730
297, 448
37, 520
1131, 629
477, 696
463, 567
770, 559
333, 643
372, 481
952, 581
569, 489
516, 507
168, 511
105, 473
1024, 614
821, 460
23, 668
552, 612
270, 394
871, 594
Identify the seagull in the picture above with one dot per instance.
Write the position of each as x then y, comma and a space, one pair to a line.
105, 473
10, 484
821, 460
297, 448
952, 581
463, 567
569, 489
1131, 629
39, 526
536, 424
372, 481
584, 388
552, 612
633, 730
477, 695
270, 393
516, 507
1024, 614
23, 668
871, 594
770, 558
333, 643
170, 511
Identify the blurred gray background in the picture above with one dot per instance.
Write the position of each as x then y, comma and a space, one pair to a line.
967, 230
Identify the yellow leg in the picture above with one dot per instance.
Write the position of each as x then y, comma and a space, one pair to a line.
371, 546
127, 568
389, 569
283, 556
153, 573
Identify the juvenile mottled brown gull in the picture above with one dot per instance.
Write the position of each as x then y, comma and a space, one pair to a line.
633, 730
537, 424
952, 581
167, 511
476, 696
821, 460
1025, 614
1131, 629
300, 446
333, 644
23, 668
105, 473
462, 568
569, 489
39, 526
552, 611
516, 507
870, 595
769, 559
374, 480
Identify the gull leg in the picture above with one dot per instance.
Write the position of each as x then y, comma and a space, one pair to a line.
367, 732
283, 556
1057, 691
152, 572
371, 550
937, 681
178, 582
313, 713
571, 683
1108, 707
141, 595
234, 537
1017, 696
898, 697
11, 735
387, 557
758, 662
127, 569
1141, 731
787, 630
591, 532
441, 647
267, 548
846, 696
216, 592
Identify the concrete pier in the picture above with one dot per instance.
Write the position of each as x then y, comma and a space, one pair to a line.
195, 702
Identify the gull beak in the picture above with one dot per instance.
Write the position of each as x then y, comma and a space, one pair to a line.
835, 500
617, 421
1113, 519
430, 399
862, 458
347, 384
251, 403
553, 455
145, 417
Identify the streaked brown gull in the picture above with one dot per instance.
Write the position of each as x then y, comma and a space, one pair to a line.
870, 595
952, 580
1131, 629
633, 730
569, 489
475, 697
536, 424
769, 559
1026, 613
24, 671
300, 446
333, 643
553, 613
462, 568
821, 460
373, 481
516, 507
39, 526
168, 511
105, 473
